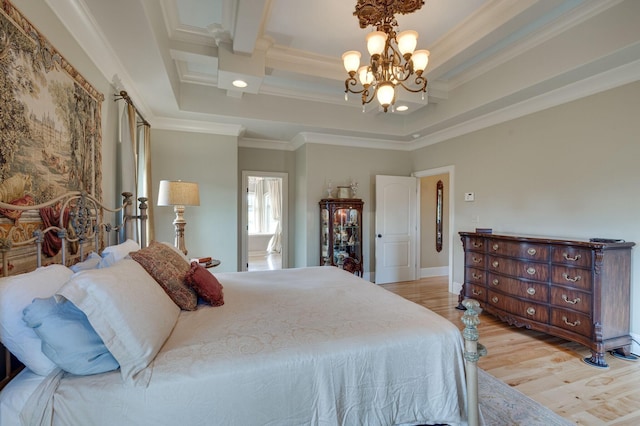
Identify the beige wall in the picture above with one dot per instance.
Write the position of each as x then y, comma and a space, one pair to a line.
433, 262
211, 161
340, 164
570, 171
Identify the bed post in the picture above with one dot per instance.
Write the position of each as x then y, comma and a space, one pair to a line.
143, 221
472, 352
126, 217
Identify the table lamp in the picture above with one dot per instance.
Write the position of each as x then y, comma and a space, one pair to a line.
178, 194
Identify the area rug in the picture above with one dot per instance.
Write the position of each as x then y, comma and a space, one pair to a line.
500, 404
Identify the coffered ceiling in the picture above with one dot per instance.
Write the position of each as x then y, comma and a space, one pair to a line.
491, 60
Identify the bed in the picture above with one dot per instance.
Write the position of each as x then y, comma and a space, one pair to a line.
312, 345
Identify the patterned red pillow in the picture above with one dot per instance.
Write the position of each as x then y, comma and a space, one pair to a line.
169, 270
205, 284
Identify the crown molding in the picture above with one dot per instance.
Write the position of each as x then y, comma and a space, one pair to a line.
182, 125
75, 16
607, 80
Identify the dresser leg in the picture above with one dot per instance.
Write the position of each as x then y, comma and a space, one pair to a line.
624, 353
596, 360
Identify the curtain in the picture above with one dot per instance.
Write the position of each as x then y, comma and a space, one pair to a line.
127, 180
275, 189
146, 181
258, 217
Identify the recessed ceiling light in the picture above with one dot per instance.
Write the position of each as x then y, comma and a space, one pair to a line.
239, 83
402, 108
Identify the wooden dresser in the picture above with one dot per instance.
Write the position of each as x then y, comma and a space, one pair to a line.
577, 290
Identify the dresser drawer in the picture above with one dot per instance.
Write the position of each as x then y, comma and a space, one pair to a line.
571, 277
476, 276
522, 308
572, 299
476, 292
474, 243
517, 268
527, 251
573, 256
475, 259
572, 321
528, 290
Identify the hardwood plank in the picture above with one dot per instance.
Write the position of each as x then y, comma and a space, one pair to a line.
548, 369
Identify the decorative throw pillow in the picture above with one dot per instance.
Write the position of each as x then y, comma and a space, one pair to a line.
205, 284
68, 339
169, 270
132, 315
16, 293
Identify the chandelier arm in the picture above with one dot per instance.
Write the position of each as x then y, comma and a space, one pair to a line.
353, 82
420, 89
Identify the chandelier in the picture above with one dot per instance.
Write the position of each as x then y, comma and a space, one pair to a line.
394, 61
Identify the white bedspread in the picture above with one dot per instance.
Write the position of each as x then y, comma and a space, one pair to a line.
308, 346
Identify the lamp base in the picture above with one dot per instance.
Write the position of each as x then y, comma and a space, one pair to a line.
179, 224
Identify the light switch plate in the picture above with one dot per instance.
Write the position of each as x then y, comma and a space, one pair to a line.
469, 196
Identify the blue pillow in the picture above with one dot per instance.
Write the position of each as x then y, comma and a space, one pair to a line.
91, 262
68, 339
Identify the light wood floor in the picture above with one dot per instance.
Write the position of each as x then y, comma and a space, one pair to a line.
547, 369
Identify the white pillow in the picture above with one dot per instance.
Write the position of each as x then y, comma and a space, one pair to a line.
113, 254
16, 293
130, 312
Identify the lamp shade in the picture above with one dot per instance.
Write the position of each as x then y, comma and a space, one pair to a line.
351, 60
178, 193
407, 41
386, 93
376, 42
420, 59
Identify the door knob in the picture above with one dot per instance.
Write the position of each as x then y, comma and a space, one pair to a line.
379, 235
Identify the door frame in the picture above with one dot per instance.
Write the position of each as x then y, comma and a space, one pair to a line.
244, 258
450, 170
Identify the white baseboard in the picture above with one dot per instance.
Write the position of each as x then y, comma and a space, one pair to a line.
434, 272
635, 347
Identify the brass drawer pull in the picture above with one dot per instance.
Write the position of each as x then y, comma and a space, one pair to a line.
475, 292
476, 276
571, 324
531, 270
531, 310
495, 247
568, 278
531, 251
494, 299
573, 302
495, 263
572, 259
531, 291
476, 260
476, 245
495, 282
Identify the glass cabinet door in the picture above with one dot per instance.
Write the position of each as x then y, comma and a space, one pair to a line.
324, 236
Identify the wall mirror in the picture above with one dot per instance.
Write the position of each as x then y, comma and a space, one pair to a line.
439, 195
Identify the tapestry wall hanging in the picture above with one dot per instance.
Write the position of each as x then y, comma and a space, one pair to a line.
50, 124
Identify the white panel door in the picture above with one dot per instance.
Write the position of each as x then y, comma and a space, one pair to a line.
396, 229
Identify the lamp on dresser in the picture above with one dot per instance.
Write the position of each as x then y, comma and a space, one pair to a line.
178, 194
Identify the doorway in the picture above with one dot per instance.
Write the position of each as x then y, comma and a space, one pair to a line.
449, 170
264, 221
